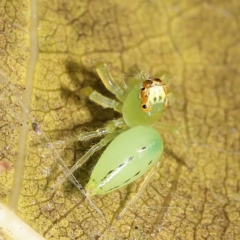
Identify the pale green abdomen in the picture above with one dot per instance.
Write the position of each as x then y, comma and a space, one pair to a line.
127, 157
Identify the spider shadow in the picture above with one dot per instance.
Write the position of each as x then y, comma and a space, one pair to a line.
82, 77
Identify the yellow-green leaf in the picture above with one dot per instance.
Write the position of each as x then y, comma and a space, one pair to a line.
48, 52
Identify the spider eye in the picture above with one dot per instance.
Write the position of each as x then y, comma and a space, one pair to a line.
143, 88
144, 106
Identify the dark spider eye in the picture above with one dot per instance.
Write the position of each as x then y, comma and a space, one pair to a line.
143, 88
144, 106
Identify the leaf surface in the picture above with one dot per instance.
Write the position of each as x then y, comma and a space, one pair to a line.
46, 60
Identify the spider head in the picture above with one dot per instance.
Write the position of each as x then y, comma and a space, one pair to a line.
145, 103
153, 95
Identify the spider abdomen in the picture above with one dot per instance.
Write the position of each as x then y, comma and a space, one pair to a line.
128, 156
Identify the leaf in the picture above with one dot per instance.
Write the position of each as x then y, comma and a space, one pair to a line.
45, 61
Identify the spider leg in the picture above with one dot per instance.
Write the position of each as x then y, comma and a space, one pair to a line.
122, 82
172, 129
171, 98
110, 127
87, 155
101, 100
165, 78
109, 82
175, 130
141, 188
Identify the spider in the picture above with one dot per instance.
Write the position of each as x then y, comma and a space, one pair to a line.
134, 145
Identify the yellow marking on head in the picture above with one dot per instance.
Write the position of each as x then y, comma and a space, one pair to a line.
153, 91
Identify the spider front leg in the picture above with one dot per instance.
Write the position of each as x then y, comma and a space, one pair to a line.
101, 100
110, 83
